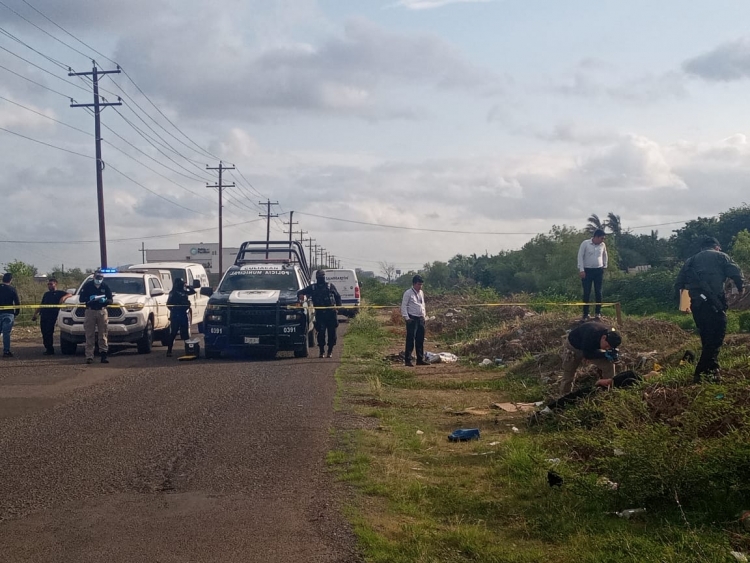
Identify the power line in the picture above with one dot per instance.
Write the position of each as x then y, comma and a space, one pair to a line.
155, 193
43, 69
43, 30
16, 39
37, 83
129, 239
47, 116
46, 144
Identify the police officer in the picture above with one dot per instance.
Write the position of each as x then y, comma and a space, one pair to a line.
179, 305
10, 308
703, 275
48, 314
326, 320
96, 295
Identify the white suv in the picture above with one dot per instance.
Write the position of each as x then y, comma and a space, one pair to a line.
138, 315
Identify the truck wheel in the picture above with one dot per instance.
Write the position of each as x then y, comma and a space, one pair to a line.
147, 341
68, 348
303, 353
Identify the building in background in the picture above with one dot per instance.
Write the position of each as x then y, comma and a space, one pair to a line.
206, 254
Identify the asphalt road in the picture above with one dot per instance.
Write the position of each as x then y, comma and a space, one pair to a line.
152, 459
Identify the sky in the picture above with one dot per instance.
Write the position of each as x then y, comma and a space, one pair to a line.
398, 131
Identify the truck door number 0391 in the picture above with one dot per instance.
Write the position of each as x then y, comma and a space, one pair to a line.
216, 330
290, 329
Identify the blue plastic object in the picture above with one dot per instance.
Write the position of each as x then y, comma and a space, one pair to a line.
464, 435
108, 270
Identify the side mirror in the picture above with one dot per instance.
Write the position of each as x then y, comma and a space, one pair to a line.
156, 292
196, 284
207, 291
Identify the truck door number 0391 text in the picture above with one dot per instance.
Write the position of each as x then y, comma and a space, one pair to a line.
290, 329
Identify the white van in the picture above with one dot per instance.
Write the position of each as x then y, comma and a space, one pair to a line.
194, 275
347, 285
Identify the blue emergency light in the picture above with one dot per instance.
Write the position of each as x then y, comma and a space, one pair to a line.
108, 270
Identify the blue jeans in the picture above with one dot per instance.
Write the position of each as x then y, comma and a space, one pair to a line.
6, 325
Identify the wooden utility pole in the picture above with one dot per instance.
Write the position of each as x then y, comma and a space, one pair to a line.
221, 186
143, 253
98, 105
310, 251
268, 203
291, 224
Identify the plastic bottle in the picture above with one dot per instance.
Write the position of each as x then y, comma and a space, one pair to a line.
630, 513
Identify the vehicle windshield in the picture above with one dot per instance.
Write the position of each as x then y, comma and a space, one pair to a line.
241, 280
133, 286
177, 273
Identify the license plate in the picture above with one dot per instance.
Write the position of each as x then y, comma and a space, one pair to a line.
252, 340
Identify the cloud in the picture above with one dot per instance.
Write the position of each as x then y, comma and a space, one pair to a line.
362, 73
725, 63
430, 4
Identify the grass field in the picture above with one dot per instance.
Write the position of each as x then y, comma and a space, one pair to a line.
679, 450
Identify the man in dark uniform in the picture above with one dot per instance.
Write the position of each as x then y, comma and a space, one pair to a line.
179, 305
52, 298
96, 295
703, 275
326, 320
594, 342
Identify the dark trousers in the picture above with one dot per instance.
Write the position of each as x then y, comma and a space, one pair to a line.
415, 337
325, 325
593, 276
178, 324
47, 327
712, 325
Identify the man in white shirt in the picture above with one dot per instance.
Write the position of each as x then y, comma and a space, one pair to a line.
413, 311
592, 260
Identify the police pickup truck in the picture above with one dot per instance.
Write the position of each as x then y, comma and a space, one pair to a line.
255, 308
138, 315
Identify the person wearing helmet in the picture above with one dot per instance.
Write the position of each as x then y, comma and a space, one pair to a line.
325, 298
96, 295
178, 304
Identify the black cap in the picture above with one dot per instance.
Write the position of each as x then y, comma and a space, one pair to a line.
417, 279
98, 275
613, 338
178, 282
7, 276
320, 274
709, 242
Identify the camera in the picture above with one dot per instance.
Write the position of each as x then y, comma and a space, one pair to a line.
613, 354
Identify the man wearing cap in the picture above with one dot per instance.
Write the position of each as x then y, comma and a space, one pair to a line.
414, 313
703, 275
594, 342
10, 308
325, 297
96, 295
48, 312
592, 261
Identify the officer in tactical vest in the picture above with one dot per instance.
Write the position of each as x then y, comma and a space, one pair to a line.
324, 295
703, 275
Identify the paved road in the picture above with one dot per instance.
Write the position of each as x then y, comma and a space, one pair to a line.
152, 459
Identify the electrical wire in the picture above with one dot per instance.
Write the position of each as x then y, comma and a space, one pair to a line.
46, 144
38, 84
47, 116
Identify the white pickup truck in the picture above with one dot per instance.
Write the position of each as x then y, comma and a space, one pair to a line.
138, 315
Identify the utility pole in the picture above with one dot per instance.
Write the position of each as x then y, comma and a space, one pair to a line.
268, 203
291, 224
143, 253
220, 186
315, 261
310, 242
98, 105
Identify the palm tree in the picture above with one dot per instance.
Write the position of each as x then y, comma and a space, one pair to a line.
614, 223
594, 223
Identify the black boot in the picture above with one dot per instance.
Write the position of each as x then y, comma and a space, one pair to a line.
322, 353
104, 358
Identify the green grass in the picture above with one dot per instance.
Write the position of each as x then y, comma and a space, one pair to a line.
423, 499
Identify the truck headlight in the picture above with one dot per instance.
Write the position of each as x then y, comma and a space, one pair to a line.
214, 318
134, 307
292, 317
210, 307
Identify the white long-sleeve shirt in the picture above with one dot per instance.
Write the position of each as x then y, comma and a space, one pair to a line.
413, 303
592, 255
